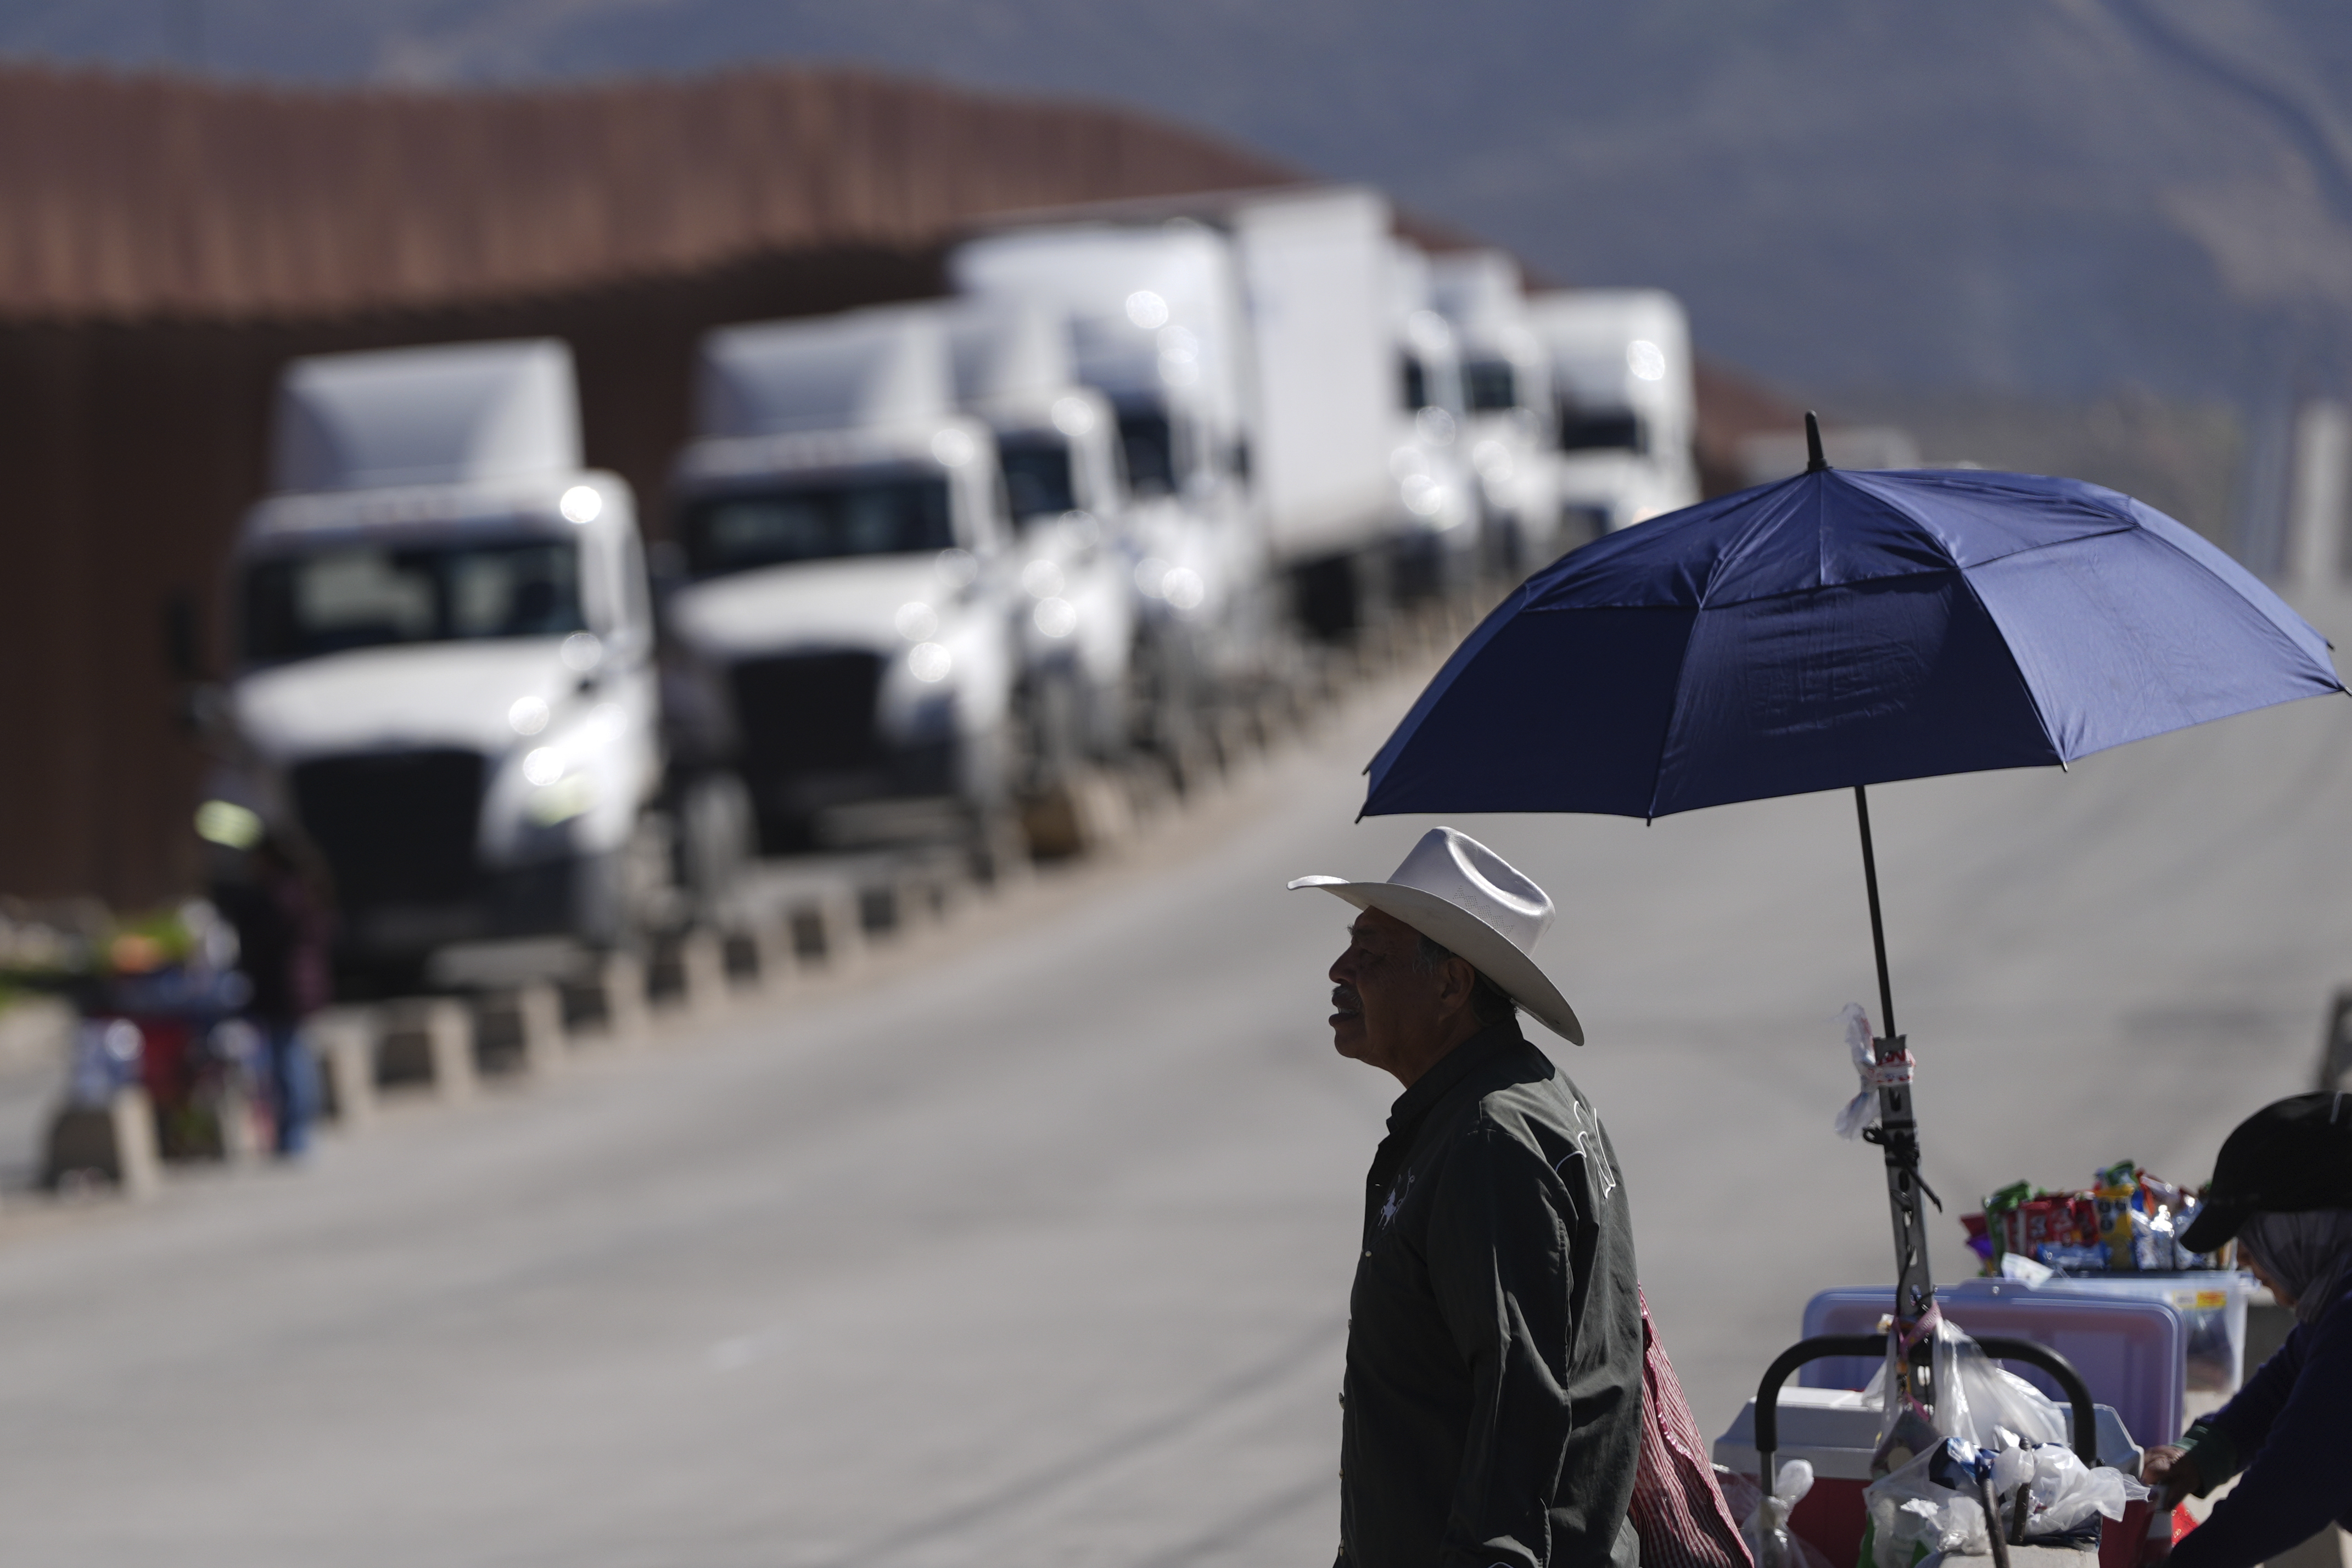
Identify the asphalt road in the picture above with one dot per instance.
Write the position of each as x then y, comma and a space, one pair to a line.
1033, 1248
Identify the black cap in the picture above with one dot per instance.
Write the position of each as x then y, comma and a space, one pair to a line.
2289, 1157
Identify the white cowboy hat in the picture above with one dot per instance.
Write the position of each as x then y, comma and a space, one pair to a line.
1471, 902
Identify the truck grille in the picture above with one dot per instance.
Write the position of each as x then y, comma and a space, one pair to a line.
803, 714
397, 827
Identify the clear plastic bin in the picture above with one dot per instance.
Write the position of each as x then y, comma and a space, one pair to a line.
2211, 1305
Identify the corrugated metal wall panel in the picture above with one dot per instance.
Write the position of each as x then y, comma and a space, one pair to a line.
130, 197
165, 247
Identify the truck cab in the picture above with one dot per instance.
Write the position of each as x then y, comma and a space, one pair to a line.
1507, 386
442, 673
1156, 328
844, 599
1076, 617
1620, 367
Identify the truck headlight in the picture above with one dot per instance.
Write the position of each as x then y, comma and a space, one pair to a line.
559, 791
928, 662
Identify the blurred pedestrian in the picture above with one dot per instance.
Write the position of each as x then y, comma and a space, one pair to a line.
282, 950
1493, 1409
2283, 1187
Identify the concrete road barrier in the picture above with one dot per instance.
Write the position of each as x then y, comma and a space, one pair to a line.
686, 974
429, 1041
609, 1000
1088, 812
519, 1029
836, 920
702, 970
114, 1142
759, 957
345, 1039
539, 1012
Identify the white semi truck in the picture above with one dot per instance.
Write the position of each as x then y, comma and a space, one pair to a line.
1506, 383
444, 643
1083, 695
1244, 341
1154, 317
847, 608
1621, 368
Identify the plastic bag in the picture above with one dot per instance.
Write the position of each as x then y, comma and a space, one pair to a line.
1766, 1529
1863, 1109
1740, 1494
2042, 1492
2065, 1495
1919, 1509
1975, 1398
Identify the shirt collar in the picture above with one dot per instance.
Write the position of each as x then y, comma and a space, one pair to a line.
1448, 1071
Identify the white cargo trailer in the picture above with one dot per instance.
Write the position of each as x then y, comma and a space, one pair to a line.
1316, 271
444, 677
1621, 368
844, 611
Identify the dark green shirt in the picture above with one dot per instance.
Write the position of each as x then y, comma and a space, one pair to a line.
1494, 1396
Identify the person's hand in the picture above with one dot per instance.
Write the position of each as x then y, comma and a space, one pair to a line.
2172, 1473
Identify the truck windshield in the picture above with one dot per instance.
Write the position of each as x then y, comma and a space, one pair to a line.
299, 607
1489, 385
819, 521
1416, 384
1037, 475
1148, 441
1601, 430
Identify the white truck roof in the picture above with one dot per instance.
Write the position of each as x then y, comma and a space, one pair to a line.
867, 369
447, 415
1592, 336
1008, 350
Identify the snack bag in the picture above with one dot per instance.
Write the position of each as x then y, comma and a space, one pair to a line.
2112, 1193
1981, 1243
1999, 1209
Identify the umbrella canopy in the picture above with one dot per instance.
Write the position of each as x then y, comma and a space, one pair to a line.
1839, 630
1844, 628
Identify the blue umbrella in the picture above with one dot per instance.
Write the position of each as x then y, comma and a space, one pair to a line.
1840, 629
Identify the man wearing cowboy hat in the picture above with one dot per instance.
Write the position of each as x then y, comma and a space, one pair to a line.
1493, 1404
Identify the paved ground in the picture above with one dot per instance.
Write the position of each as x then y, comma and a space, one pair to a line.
1036, 1252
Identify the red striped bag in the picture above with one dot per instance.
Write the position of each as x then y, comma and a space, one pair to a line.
1678, 1510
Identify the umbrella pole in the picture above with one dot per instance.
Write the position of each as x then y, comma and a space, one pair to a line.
1877, 922
1899, 1134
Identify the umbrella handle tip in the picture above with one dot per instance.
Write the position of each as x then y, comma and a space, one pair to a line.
1815, 461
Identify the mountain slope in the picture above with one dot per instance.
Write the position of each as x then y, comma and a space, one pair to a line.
2051, 196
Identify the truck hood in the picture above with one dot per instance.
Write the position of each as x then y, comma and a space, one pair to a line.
437, 694
832, 604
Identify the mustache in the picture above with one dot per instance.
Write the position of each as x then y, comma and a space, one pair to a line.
1345, 1000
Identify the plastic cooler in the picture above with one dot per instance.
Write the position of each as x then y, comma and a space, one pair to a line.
2128, 1350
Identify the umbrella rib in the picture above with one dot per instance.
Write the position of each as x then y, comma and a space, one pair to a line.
2032, 697
1674, 716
